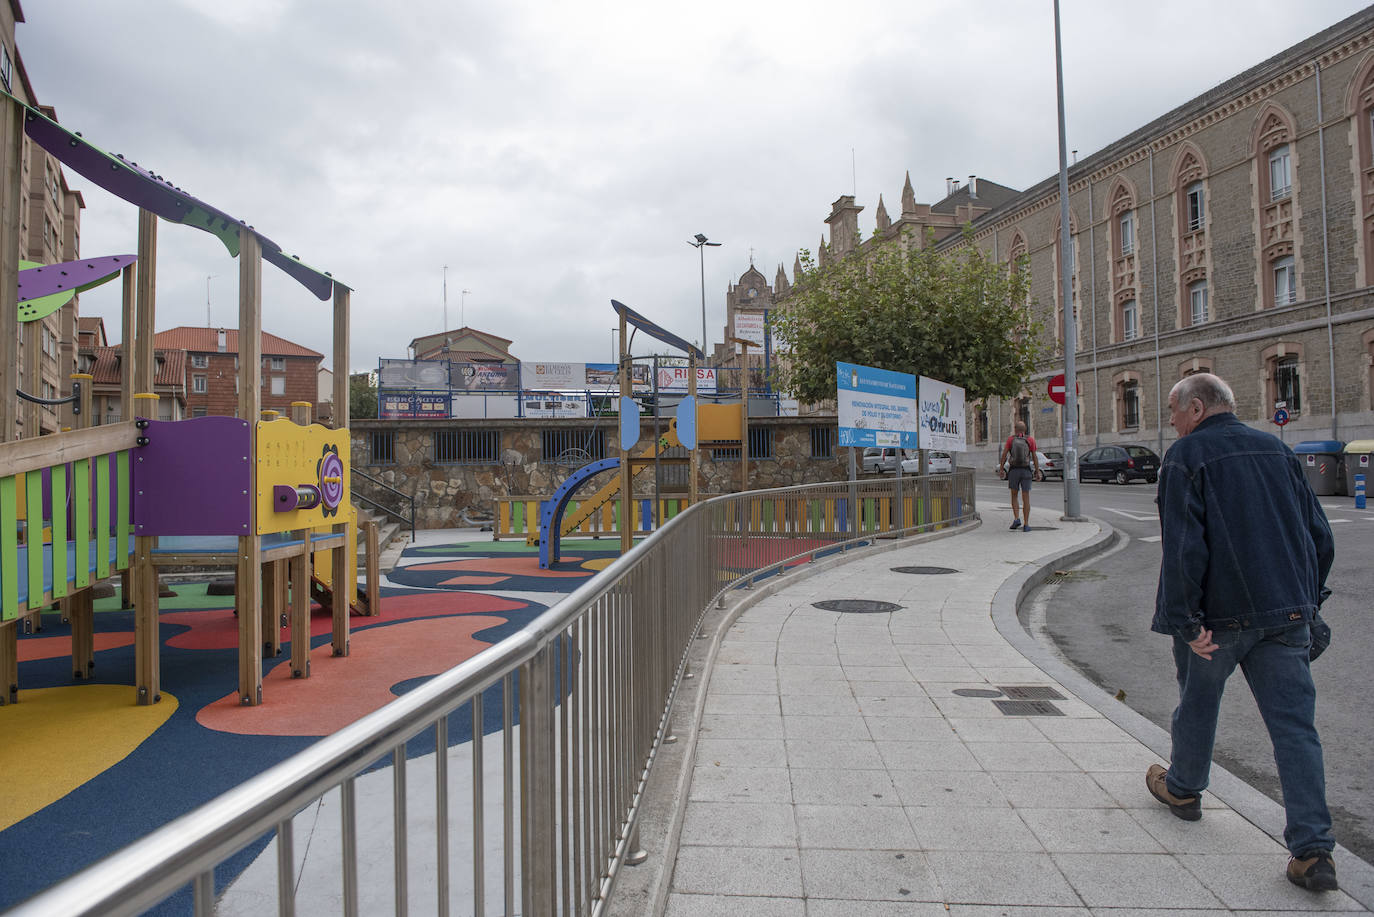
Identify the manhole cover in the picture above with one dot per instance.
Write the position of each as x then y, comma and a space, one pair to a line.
932, 571
977, 692
857, 606
1072, 576
1028, 708
1030, 692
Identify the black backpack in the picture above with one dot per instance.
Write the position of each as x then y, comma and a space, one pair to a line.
1019, 456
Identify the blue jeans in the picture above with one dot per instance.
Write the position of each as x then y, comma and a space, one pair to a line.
1275, 664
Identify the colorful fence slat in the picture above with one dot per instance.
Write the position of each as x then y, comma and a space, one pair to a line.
59, 533
9, 548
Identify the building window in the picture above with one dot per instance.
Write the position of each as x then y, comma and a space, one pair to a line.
6, 68
1287, 384
760, 442
466, 447
1130, 320
1285, 281
1127, 225
199, 410
980, 423
577, 444
1280, 180
1197, 208
1023, 413
199, 384
279, 364
1130, 405
200, 360
279, 385
1197, 296
822, 442
384, 448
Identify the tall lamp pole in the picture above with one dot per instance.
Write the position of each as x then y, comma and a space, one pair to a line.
700, 244
1071, 502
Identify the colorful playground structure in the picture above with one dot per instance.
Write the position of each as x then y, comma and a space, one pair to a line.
268, 497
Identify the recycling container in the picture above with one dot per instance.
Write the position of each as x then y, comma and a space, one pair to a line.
1321, 462
1359, 459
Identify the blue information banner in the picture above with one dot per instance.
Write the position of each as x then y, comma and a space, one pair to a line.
877, 407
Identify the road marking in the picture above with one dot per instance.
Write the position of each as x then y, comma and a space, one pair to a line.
1336, 521
1150, 538
1136, 517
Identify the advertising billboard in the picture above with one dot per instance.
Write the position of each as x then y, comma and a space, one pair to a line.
877, 407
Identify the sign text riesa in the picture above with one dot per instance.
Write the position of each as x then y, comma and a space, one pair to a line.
1058, 390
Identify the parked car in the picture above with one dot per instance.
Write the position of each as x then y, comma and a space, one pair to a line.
1052, 465
1122, 464
936, 463
880, 459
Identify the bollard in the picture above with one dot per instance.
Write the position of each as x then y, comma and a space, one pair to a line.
1359, 491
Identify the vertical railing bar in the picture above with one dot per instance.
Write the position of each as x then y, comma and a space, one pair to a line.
576, 667
602, 727
286, 869
589, 785
441, 813
508, 784
527, 726
348, 807
479, 832
562, 683
398, 827
203, 893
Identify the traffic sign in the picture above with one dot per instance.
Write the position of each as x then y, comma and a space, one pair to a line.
1281, 417
1057, 388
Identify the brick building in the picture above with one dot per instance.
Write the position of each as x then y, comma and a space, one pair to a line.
1233, 234
289, 371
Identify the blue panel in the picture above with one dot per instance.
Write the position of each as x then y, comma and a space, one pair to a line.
687, 422
551, 510
629, 422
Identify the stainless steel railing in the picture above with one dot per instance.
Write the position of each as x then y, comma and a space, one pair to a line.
576, 704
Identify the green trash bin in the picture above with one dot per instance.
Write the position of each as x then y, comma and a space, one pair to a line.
1321, 463
1359, 459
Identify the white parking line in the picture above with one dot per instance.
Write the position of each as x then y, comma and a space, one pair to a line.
1137, 517
1150, 538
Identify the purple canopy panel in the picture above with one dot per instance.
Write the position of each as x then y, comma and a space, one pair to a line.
155, 194
70, 275
194, 478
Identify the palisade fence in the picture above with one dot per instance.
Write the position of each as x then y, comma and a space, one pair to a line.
514, 779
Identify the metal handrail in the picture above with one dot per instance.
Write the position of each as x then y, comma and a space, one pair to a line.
593, 681
357, 472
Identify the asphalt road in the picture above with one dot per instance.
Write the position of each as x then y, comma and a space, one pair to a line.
1099, 619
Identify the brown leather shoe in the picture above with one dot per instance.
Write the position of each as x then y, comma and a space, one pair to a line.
1315, 873
1187, 808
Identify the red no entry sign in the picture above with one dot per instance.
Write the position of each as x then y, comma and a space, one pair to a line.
1057, 388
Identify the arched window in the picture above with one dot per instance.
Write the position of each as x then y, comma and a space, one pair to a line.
1284, 370
1122, 228
1194, 365
1126, 397
1360, 106
1128, 319
1367, 339
1276, 205
1194, 253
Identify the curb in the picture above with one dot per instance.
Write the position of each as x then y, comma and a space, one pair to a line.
1356, 876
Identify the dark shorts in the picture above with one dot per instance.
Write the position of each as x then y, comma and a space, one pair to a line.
1019, 479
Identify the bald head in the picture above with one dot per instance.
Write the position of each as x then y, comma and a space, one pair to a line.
1195, 398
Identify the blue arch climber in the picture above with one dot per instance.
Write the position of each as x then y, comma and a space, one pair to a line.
551, 510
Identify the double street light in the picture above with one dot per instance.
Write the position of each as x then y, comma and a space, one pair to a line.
700, 244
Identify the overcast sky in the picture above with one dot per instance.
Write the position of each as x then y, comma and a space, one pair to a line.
557, 155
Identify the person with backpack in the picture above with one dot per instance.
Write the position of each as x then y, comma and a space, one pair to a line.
1019, 463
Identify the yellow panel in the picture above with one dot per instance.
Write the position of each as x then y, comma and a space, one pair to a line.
293, 455
718, 423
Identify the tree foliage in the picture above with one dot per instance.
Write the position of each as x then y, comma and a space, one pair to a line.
362, 397
956, 316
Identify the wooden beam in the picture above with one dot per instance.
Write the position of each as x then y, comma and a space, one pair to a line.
248, 594
35, 454
145, 304
147, 641
341, 343
300, 611
12, 151
126, 342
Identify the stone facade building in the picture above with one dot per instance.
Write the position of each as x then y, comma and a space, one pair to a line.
1233, 234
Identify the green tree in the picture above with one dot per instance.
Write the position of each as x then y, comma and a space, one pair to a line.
362, 397
956, 316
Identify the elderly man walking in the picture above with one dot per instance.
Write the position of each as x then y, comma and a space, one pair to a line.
1247, 550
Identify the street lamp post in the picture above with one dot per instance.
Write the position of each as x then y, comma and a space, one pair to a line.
1070, 425
700, 243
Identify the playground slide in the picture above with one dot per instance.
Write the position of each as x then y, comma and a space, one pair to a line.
610, 490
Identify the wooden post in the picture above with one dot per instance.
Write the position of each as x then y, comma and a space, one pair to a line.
248, 594
12, 151
343, 589
300, 413
374, 572
273, 604
744, 416
79, 609
341, 407
140, 378
627, 509
300, 611
126, 398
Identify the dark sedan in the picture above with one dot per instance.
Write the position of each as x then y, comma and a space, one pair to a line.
1122, 464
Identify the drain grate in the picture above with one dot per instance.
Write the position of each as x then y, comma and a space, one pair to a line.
1030, 692
931, 571
1028, 708
977, 692
1072, 576
857, 606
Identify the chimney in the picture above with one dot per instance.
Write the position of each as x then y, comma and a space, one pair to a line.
973, 187
221, 343
950, 185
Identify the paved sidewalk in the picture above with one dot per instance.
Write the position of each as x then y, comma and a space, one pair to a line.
858, 763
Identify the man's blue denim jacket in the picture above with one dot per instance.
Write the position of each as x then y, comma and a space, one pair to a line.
1246, 544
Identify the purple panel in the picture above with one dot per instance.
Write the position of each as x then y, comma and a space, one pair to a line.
194, 478
70, 275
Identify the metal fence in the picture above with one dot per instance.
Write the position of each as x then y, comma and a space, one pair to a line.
536, 812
